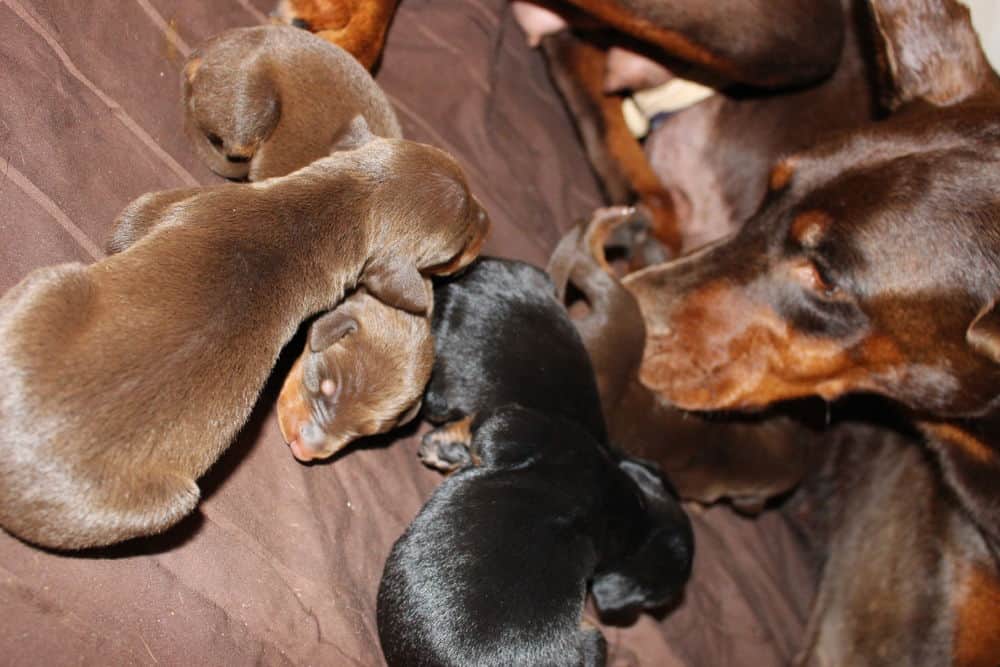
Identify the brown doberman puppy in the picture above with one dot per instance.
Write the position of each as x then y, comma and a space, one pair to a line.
746, 462
872, 266
262, 102
363, 372
265, 101
122, 381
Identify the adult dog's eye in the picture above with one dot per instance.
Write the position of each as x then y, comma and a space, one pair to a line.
809, 275
214, 139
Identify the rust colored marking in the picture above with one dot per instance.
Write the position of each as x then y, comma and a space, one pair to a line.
191, 68
588, 66
670, 41
808, 228
293, 408
457, 431
357, 26
977, 618
781, 175
717, 349
953, 435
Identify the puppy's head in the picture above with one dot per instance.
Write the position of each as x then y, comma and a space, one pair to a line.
654, 568
231, 103
362, 373
422, 209
871, 265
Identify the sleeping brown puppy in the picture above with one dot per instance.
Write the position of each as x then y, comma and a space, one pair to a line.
122, 381
265, 101
363, 372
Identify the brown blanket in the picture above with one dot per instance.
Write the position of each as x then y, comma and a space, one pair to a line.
282, 561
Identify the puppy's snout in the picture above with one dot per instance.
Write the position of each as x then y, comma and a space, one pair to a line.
239, 154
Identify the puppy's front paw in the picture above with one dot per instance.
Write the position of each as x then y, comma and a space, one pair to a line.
447, 447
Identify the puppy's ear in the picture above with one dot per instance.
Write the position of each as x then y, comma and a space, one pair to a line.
191, 67
330, 328
646, 476
410, 413
397, 283
983, 335
927, 49
616, 595
355, 135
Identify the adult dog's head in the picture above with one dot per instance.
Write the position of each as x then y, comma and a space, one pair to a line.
873, 263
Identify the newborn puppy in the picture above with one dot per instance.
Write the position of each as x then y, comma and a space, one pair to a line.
501, 337
363, 372
494, 570
265, 101
122, 381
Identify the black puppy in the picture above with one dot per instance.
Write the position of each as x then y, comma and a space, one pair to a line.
494, 569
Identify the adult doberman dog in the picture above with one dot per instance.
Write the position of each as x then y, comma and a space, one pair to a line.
873, 265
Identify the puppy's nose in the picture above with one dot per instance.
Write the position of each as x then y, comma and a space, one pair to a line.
238, 157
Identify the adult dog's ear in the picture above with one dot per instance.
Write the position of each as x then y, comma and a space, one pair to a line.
928, 50
330, 328
983, 335
397, 283
355, 135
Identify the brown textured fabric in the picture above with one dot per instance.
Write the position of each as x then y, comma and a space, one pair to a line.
282, 561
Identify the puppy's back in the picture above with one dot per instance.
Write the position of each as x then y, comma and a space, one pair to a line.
494, 569
501, 337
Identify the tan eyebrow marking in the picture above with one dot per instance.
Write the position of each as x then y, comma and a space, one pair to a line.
781, 175
809, 227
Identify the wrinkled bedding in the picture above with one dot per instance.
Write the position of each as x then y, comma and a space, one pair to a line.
281, 562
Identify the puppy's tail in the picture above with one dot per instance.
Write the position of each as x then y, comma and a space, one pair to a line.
613, 332
580, 253
563, 259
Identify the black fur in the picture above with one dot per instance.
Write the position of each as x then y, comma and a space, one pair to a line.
494, 569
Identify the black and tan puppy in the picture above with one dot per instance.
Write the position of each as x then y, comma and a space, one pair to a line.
121, 382
363, 372
264, 101
494, 569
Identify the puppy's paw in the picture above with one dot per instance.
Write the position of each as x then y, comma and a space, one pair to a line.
447, 447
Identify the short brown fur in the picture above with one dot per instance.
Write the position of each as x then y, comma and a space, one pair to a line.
124, 380
369, 379
264, 101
